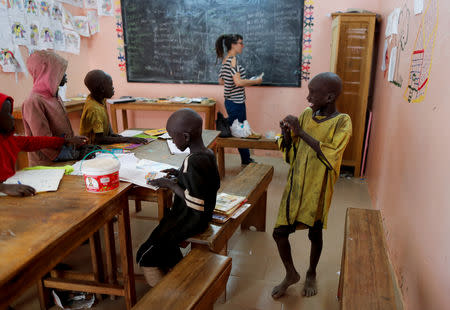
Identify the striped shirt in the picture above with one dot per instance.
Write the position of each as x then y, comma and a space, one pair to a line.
231, 91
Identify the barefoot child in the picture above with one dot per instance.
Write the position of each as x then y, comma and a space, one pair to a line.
195, 188
11, 145
313, 145
94, 120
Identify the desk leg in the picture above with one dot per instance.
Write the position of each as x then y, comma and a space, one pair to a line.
221, 161
44, 294
111, 261
164, 201
209, 119
126, 254
113, 117
257, 216
97, 259
124, 119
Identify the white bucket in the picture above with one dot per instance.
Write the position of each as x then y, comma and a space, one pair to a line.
101, 174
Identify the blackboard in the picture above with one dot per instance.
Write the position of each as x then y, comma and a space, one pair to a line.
172, 41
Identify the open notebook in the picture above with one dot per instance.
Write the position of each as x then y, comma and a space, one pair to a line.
45, 180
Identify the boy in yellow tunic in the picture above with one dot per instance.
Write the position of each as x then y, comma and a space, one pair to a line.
313, 145
94, 120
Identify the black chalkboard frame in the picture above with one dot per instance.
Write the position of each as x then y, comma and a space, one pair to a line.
298, 71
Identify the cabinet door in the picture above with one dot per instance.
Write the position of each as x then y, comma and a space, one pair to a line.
353, 65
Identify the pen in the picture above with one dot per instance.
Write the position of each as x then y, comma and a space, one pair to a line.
18, 182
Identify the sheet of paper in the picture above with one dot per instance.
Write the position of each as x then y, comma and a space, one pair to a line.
165, 136
131, 133
105, 8
392, 22
150, 165
174, 150
392, 64
94, 25
383, 62
90, 4
81, 25
45, 180
418, 7
72, 40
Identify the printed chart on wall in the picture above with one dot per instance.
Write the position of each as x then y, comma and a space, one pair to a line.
422, 54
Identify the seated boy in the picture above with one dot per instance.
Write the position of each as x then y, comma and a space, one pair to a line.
195, 186
11, 145
94, 120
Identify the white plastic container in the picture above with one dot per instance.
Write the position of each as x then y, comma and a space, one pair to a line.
101, 174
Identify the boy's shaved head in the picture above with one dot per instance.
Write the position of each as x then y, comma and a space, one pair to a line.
94, 80
185, 120
329, 82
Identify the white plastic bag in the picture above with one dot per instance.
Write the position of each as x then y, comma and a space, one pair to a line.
240, 130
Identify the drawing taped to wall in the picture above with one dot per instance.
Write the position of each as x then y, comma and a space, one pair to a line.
422, 54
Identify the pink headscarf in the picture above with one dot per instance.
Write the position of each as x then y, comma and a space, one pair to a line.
47, 69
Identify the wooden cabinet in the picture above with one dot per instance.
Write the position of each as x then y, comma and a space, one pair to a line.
352, 49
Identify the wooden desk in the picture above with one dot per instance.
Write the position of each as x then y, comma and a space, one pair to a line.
208, 108
38, 232
222, 143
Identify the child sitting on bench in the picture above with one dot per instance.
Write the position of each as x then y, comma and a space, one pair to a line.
11, 145
95, 121
313, 145
195, 186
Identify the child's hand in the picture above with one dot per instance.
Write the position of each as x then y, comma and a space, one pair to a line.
137, 140
77, 140
162, 183
171, 172
292, 123
17, 190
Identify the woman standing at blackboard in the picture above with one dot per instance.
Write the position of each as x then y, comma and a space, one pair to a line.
233, 76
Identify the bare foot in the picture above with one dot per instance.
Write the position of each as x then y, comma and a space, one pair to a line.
310, 288
281, 288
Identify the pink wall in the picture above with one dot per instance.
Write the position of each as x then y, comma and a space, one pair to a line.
408, 170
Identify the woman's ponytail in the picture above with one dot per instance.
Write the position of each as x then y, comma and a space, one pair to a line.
219, 46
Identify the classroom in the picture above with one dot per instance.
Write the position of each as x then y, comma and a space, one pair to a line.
372, 69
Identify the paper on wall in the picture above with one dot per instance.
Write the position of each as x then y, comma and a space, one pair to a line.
78, 3
3, 7
11, 59
72, 41
418, 7
105, 8
18, 29
16, 7
5, 33
80, 25
90, 4
34, 35
31, 8
94, 25
57, 12
392, 64
46, 36
59, 43
45, 8
383, 62
392, 22
67, 19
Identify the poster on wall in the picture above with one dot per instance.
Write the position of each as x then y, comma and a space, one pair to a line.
34, 34
59, 43
57, 12
46, 37
31, 8
16, 7
72, 41
81, 25
11, 59
18, 29
105, 8
422, 54
45, 9
90, 4
94, 25
67, 19
77, 3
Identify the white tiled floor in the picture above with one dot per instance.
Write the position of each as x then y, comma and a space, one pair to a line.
256, 264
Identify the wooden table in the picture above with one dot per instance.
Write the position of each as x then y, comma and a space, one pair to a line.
209, 108
159, 151
222, 143
37, 232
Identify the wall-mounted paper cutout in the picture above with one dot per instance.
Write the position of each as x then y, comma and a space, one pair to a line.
392, 22
31, 8
34, 35
19, 29
78, 3
72, 40
105, 8
90, 4
46, 36
15, 6
45, 9
94, 25
81, 25
11, 60
392, 64
59, 42
67, 19
418, 6
57, 12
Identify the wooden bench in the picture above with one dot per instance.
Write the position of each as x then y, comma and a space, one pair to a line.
365, 280
252, 182
222, 143
195, 283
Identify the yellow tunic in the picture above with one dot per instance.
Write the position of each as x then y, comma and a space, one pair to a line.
311, 179
94, 119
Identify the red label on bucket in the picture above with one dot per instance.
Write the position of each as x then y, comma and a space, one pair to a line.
101, 183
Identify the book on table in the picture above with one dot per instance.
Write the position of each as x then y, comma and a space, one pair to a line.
228, 203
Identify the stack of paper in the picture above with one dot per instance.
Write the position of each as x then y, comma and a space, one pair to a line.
228, 203
174, 150
45, 180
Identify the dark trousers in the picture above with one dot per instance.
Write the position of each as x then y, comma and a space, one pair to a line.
237, 111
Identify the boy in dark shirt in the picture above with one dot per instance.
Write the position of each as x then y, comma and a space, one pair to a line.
195, 186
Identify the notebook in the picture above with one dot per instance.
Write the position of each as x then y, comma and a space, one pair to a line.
45, 180
228, 203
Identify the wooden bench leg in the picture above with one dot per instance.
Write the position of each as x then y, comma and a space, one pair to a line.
221, 161
111, 261
126, 254
257, 216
